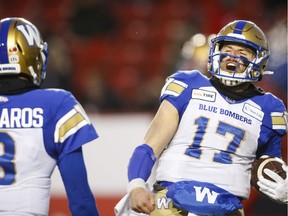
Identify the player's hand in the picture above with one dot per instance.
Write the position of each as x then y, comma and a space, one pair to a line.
142, 201
277, 189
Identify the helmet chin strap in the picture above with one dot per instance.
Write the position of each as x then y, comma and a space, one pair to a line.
227, 82
230, 83
228, 78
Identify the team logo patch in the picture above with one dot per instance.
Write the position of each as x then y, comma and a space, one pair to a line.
253, 111
203, 95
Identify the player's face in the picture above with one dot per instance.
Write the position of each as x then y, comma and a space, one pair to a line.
230, 63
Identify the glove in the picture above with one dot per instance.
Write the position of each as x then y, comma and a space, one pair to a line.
277, 189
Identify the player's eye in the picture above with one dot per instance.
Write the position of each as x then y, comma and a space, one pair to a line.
226, 50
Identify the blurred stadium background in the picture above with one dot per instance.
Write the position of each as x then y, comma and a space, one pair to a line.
114, 55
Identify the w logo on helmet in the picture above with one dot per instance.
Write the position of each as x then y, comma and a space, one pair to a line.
31, 34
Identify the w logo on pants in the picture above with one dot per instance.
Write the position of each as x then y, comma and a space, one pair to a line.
203, 198
205, 192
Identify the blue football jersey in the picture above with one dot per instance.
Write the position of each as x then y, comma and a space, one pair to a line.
218, 138
37, 129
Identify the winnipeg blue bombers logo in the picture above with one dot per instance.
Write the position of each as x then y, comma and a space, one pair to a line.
31, 34
201, 193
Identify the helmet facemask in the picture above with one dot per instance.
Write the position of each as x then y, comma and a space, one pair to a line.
44, 58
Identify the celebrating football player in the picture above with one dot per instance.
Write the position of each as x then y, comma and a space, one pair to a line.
208, 131
39, 129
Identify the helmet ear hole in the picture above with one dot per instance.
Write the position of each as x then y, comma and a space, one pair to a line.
19, 47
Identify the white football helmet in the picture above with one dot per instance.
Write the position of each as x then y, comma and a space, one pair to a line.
22, 50
244, 33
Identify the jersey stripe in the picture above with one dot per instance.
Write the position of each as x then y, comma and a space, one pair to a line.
72, 122
174, 87
68, 125
278, 121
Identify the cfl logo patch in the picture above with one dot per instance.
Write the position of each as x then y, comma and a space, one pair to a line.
14, 59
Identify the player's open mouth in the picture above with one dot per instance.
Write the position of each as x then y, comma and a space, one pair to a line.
231, 66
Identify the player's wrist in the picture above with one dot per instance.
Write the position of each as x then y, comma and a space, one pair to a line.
284, 199
136, 183
283, 192
141, 162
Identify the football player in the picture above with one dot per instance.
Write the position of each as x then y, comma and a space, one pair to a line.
39, 129
208, 131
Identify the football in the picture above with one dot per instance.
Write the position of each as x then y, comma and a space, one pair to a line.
266, 162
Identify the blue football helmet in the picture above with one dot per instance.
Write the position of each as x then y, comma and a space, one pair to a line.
22, 50
245, 33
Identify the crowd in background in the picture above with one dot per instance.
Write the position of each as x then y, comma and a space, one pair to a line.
114, 55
